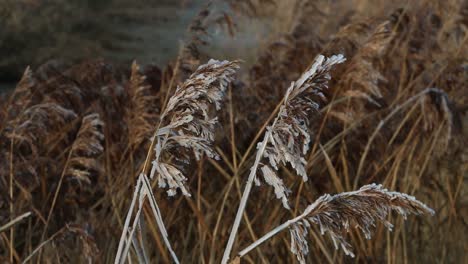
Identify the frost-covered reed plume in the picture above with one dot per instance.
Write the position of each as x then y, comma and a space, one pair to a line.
190, 125
186, 124
287, 139
336, 214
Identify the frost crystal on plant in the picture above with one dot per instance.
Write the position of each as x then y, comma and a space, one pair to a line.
288, 138
186, 123
362, 209
299, 246
272, 179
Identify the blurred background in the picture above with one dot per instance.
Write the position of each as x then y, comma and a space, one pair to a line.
35, 31
151, 32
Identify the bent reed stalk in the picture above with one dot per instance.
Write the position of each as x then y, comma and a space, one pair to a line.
185, 124
288, 138
337, 213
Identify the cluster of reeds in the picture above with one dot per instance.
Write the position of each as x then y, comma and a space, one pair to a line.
78, 142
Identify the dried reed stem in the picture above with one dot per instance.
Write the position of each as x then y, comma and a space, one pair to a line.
395, 110
287, 139
185, 124
142, 190
14, 221
336, 214
12, 231
243, 202
88, 143
118, 256
145, 190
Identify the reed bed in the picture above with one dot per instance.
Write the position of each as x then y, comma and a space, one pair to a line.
205, 162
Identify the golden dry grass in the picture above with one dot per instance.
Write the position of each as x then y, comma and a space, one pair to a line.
73, 141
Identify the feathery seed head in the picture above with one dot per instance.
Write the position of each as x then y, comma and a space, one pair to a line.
86, 149
288, 138
335, 214
188, 123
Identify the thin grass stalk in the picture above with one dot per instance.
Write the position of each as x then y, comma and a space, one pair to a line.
358, 209
54, 200
139, 252
137, 191
36, 250
382, 123
245, 197
127, 221
147, 192
12, 230
218, 220
269, 235
129, 239
158, 217
119, 258
14, 221
288, 138
140, 239
190, 127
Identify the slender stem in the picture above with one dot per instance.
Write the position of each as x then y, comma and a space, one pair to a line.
265, 238
132, 231
127, 221
120, 258
245, 197
12, 230
260, 132
14, 221
146, 192
142, 193
141, 241
43, 244
54, 201
159, 220
138, 251
273, 232
381, 124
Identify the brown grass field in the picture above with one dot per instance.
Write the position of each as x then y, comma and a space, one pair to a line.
86, 143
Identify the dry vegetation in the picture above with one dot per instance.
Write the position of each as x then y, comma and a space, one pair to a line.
78, 142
